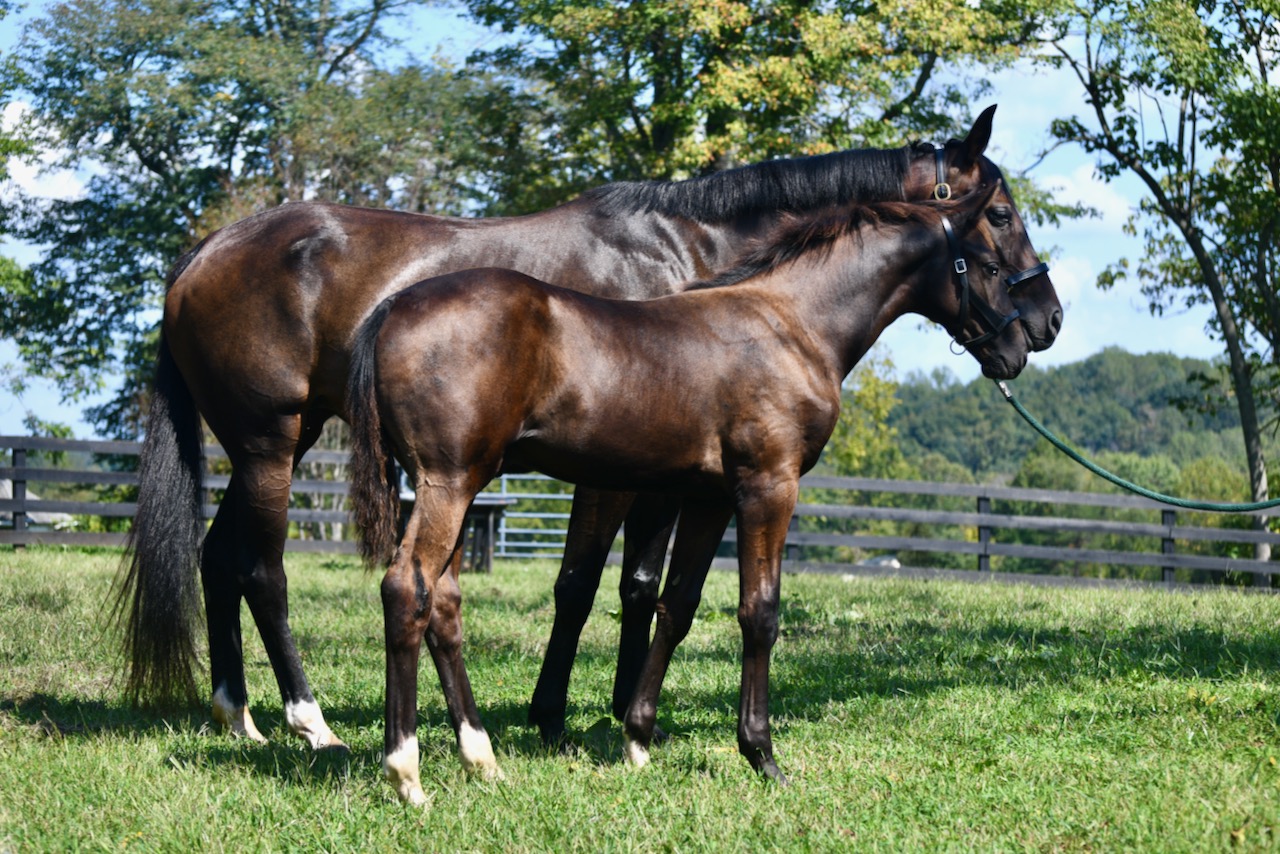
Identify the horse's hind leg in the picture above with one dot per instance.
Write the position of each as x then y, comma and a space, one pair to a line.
220, 572
408, 605
593, 524
444, 640
702, 524
243, 556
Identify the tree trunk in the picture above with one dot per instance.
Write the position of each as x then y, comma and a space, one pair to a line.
1242, 384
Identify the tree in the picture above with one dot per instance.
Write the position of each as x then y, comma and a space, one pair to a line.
864, 443
668, 88
186, 116
1183, 97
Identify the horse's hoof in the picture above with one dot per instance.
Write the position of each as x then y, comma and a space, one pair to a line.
236, 720
306, 721
551, 733
770, 771
337, 747
476, 752
567, 747
412, 794
637, 754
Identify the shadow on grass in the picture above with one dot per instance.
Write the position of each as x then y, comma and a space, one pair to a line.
817, 663
59, 719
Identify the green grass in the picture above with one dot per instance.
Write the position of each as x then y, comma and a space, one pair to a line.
908, 715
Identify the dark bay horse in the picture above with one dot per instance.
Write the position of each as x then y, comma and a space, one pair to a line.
723, 394
256, 337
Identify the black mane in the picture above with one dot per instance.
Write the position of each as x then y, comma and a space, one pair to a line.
775, 185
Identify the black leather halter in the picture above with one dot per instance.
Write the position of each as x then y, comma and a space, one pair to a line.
942, 192
987, 316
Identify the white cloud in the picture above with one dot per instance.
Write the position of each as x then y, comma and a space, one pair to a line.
1084, 186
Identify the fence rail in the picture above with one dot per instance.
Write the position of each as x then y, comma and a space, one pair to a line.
961, 526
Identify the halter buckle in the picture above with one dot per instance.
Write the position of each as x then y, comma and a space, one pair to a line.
961, 266
941, 189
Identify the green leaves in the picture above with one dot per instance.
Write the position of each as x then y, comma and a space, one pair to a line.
184, 117
674, 88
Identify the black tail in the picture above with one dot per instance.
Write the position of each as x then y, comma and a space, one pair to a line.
374, 491
157, 595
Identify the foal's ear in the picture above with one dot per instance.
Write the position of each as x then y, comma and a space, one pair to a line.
970, 207
979, 135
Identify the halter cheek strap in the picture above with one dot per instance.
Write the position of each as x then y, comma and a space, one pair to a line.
987, 316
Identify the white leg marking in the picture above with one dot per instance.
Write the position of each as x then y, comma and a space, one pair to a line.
235, 719
636, 753
477, 753
401, 769
305, 719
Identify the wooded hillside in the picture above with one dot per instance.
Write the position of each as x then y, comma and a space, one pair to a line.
1149, 411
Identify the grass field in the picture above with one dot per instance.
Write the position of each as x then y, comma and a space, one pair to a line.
908, 715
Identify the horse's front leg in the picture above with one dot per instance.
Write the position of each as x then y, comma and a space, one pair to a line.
430, 540
593, 524
765, 506
702, 524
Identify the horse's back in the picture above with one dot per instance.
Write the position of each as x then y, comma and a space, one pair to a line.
261, 318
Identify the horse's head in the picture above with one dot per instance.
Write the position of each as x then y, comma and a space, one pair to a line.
959, 168
967, 291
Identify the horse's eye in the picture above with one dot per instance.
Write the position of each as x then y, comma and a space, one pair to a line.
1000, 216
991, 269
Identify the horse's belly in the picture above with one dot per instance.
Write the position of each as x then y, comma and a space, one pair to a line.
638, 464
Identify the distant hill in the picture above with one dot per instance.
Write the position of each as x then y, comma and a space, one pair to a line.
1111, 401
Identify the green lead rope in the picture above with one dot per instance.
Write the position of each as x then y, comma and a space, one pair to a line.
1124, 484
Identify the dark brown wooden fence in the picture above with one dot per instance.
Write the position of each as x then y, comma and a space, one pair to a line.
862, 525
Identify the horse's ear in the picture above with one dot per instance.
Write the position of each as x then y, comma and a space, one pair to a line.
979, 135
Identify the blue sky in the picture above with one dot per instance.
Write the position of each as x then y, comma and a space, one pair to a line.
1028, 101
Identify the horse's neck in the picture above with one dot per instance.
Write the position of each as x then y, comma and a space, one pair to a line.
626, 256
847, 296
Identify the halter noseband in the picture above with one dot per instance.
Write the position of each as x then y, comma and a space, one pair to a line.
988, 316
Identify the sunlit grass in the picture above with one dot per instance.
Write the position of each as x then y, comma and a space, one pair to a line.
907, 714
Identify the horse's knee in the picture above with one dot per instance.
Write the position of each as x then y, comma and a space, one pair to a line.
575, 591
759, 625
639, 586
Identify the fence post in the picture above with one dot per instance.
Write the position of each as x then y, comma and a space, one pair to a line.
984, 535
19, 493
501, 544
1167, 518
793, 550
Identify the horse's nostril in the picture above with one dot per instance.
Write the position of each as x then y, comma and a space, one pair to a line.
1055, 322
